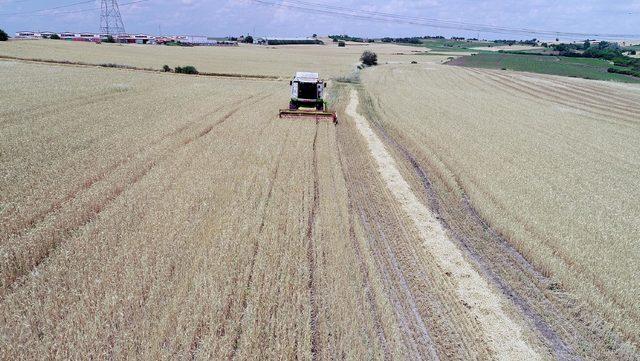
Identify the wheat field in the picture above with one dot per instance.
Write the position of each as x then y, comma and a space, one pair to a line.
163, 216
279, 61
551, 162
148, 215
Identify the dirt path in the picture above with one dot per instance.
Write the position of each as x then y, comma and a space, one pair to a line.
474, 139
503, 334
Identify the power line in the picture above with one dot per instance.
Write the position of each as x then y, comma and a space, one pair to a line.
19, 1
315, 8
480, 27
430, 20
36, 12
336, 10
53, 8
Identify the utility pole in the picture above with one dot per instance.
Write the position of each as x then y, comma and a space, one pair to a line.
110, 19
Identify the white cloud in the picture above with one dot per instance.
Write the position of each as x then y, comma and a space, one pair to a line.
233, 17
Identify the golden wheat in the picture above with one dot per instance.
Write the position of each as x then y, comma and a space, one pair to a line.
151, 215
551, 162
163, 216
281, 61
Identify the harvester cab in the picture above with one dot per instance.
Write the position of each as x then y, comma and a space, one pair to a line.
307, 98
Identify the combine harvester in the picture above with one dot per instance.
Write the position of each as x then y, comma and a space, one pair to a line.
307, 91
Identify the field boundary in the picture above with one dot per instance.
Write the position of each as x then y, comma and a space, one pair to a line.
135, 68
571, 67
551, 310
505, 335
539, 322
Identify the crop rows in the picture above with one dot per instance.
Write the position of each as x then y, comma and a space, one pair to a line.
280, 61
152, 215
549, 162
201, 226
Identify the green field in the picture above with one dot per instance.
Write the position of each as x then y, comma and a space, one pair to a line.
453, 45
556, 65
546, 51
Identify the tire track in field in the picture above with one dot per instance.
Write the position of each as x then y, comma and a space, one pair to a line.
557, 318
570, 96
621, 163
366, 278
229, 306
471, 80
487, 78
533, 97
550, 97
601, 95
558, 345
585, 333
429, 318
21, 228
47, 109
553, 315
503, 335
201, 330
600, 91
414, 328
254, 253
562, 256
227, 315
595, 281
50, 238
577, 92
410, 291
311, 259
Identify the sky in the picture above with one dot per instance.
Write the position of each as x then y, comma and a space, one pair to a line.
236, 17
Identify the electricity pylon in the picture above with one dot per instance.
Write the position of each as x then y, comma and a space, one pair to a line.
110, 19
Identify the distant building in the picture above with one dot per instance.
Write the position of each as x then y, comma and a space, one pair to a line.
88, 37
142, 38
201, 40
47, 34
227, 43
162, 40
81, 37
193, 40
197, 40
132, 38
285, 41
27, 35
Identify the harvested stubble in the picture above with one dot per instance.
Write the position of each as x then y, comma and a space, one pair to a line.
280, 61
550, 162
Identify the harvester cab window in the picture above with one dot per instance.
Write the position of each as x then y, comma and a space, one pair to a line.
307, 91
